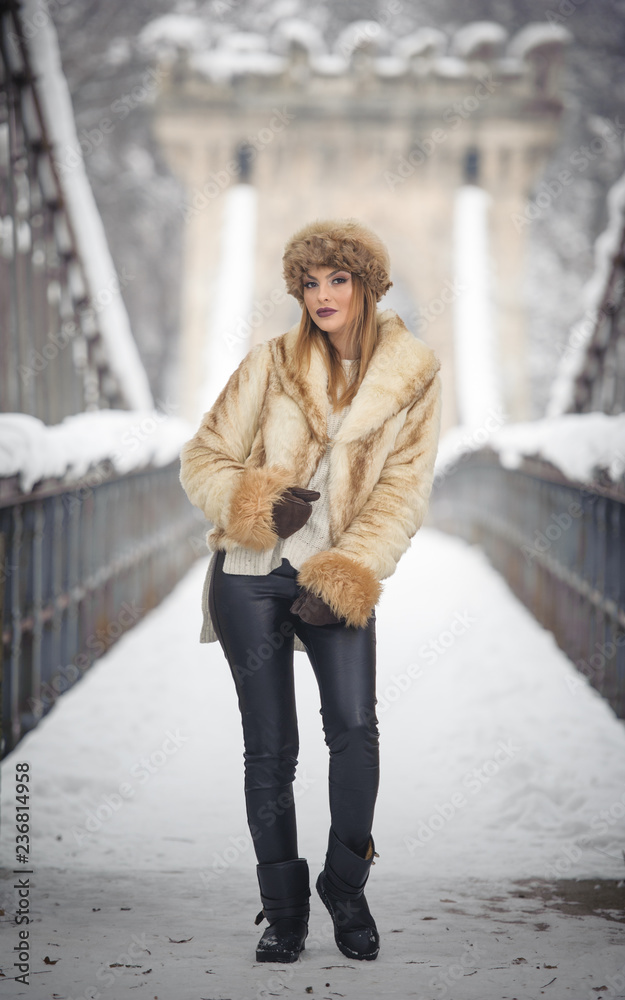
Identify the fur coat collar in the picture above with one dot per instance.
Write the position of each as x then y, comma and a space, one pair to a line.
401, 368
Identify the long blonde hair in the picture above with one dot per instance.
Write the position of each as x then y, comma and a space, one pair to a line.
361, 341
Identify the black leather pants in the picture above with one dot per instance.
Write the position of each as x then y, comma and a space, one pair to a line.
255, 629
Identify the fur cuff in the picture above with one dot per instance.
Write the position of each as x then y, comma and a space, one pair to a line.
250, 521
348, 587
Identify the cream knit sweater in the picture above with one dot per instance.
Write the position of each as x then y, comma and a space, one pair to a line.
315, 535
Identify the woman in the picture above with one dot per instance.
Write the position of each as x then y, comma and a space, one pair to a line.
315, 467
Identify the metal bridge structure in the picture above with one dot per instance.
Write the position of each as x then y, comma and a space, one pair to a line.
560, 543
87, 550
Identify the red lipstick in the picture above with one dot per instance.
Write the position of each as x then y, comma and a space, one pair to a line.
325, 312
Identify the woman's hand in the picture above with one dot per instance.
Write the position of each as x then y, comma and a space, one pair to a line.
292, 510
313, 610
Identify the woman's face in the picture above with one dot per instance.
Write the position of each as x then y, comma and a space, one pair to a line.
327, 295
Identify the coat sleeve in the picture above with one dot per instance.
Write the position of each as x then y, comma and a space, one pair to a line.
347, 576
213, 471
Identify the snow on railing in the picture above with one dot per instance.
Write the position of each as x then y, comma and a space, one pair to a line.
128, 440
580, 445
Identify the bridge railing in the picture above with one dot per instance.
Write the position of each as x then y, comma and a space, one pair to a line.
559, 544
81, 564
81, 560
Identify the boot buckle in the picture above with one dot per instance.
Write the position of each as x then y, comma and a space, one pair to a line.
260, 917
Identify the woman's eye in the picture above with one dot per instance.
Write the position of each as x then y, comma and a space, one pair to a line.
309, 284
340, 279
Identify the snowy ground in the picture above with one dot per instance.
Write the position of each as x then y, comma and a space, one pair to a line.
499, 823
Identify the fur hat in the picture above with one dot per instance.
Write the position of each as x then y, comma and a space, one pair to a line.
344, 243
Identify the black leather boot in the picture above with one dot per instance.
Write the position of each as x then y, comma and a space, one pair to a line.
341, 887
284, 893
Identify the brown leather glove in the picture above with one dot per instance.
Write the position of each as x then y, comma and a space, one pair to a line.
292, 510
313, 610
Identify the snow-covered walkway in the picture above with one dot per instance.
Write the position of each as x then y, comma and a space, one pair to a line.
502, 772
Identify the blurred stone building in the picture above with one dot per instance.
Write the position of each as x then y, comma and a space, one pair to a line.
393, 131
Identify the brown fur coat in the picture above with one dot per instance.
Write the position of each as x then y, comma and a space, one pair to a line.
268, 430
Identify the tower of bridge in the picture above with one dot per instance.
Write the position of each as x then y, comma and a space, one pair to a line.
408, 134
